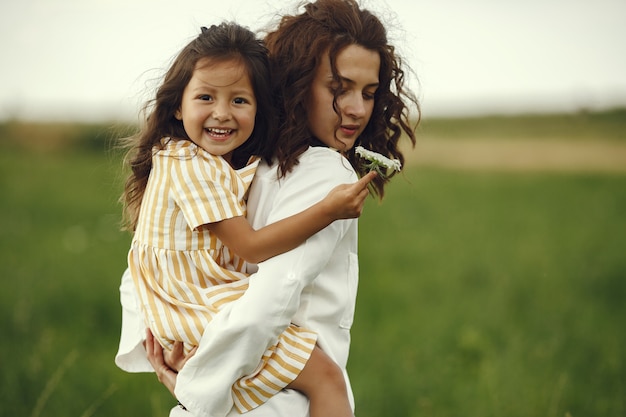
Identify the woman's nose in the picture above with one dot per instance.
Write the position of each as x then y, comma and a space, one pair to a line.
354, 105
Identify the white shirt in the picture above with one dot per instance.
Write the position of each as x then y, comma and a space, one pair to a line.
313, 285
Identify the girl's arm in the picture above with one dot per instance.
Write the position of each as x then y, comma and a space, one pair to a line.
343, 202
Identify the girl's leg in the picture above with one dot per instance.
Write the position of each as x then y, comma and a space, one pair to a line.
322, 381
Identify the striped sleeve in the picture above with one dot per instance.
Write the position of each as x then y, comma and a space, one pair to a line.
202, 188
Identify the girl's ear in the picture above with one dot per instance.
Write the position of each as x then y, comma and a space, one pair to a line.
178, 115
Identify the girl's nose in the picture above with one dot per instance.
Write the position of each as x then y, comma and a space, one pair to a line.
221, 112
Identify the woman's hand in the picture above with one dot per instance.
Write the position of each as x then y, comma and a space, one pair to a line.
176, 359
166, 364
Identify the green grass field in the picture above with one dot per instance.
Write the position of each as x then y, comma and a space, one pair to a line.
482, 293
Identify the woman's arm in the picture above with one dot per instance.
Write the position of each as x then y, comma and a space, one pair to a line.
343, 202
234, 341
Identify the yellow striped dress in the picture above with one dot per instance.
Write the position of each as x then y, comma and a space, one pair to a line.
184, 275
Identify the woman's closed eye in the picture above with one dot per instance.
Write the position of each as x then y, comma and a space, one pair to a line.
369, 95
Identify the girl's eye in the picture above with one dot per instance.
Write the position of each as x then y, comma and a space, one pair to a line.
204, 97
240, 100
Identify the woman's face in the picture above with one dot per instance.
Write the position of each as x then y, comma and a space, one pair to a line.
358, 70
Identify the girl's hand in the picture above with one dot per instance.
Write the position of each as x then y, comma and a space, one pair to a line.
346, 201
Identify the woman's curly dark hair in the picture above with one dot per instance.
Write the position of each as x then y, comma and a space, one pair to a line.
296, 48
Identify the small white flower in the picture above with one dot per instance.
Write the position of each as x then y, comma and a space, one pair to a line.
377, 161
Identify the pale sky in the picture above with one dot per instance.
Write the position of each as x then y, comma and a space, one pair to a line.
97, 59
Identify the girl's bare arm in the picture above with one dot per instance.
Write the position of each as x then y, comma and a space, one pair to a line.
343, 202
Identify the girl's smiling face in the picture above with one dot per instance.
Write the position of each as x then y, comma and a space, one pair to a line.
358, 70
218, 107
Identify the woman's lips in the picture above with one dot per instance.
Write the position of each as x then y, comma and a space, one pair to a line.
349, 130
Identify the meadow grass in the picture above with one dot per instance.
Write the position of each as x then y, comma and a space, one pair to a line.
481, 293
607, 125
493, 295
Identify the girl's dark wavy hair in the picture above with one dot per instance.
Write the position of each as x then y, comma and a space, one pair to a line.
296, 48
218, 43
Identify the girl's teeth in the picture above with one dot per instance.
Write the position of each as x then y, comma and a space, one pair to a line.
220, 131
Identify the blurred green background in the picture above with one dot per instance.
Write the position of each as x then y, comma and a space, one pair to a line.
486, 290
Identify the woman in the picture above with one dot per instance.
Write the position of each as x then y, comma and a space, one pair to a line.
338, 84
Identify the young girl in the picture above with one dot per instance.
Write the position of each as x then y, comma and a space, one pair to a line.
185, 201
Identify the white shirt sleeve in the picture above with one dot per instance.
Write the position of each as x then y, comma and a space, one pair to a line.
237, 337
131, 355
